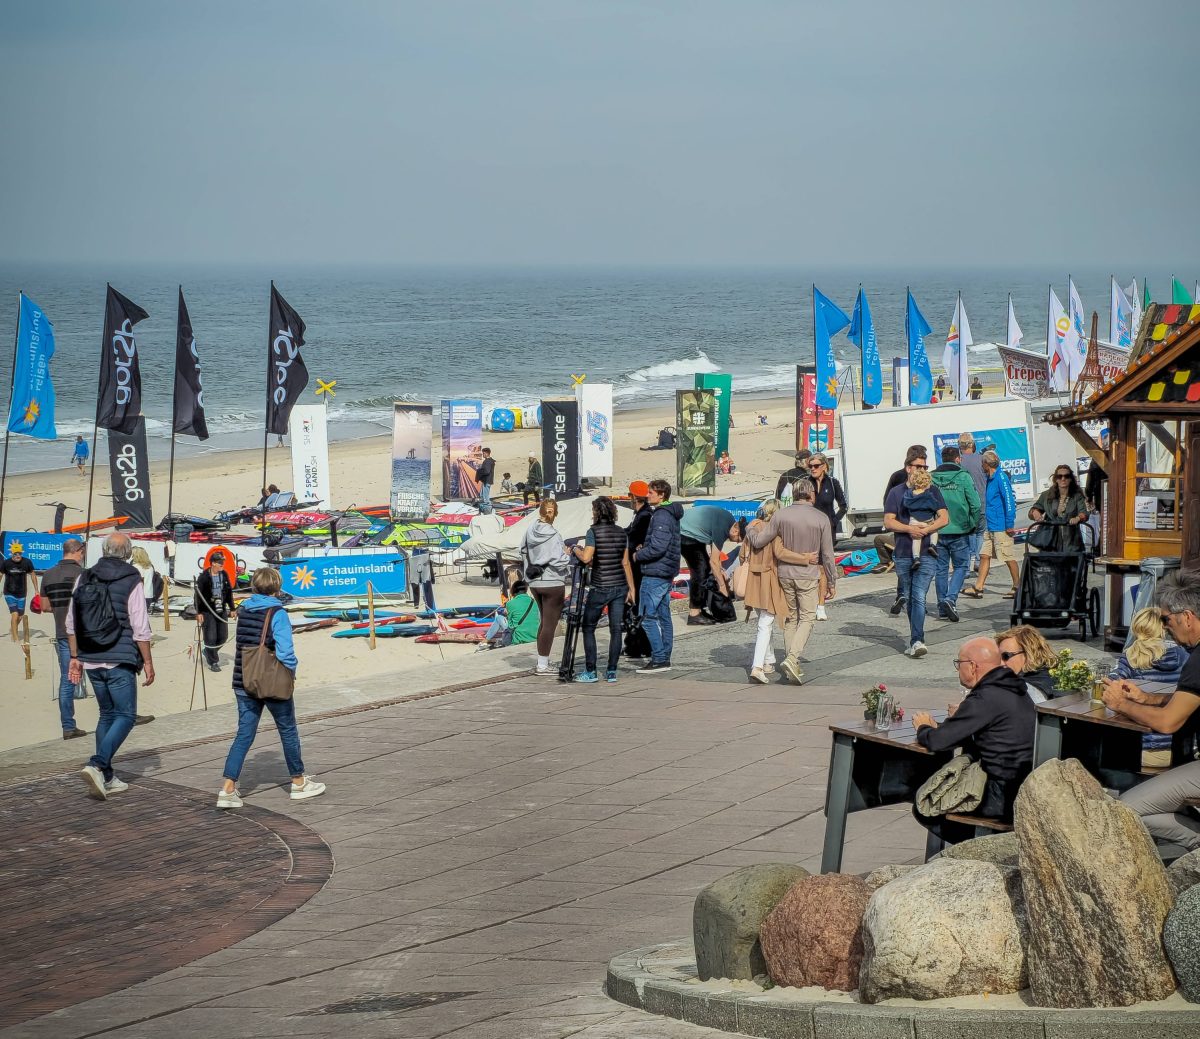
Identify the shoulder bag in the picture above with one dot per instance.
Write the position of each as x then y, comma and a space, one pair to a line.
263, 676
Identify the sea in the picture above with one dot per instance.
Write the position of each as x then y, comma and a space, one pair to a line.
509, 337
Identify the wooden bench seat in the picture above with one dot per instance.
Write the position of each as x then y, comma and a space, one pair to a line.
981, 823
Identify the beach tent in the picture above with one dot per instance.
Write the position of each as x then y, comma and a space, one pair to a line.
574, 518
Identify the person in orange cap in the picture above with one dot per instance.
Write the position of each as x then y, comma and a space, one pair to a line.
637, 646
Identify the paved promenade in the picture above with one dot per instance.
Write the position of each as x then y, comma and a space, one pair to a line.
492, 843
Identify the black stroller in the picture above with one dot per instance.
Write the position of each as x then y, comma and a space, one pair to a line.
1053, 591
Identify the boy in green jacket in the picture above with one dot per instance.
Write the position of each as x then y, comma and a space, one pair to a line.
954, 539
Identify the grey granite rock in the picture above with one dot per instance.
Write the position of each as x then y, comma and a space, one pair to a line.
728, 914
1000, 848
1181, 940
1184, 873
1096, 891
885, 875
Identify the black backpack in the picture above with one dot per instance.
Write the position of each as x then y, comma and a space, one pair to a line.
96, 625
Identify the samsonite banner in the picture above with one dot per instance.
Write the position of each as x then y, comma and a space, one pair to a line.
310, 452
594, 401
412, 460
560, 448
462, 448
129, 469
696, 441
722, 386
320, 578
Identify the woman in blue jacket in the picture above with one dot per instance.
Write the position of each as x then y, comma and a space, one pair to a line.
1000, 505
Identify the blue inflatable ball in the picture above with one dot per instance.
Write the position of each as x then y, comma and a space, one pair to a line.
503, 420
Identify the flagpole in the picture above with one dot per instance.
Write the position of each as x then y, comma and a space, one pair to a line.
266, 424
11, 387
1071, 319
174, 406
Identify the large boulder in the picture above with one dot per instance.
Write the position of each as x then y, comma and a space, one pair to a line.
814, 935
997, 848
1184, 873
1096, 890
728, 914
885, 875
950, 928
1181, 939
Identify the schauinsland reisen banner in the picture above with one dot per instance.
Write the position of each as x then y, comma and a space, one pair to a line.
129, 469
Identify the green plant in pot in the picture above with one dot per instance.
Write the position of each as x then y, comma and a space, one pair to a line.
1071, 675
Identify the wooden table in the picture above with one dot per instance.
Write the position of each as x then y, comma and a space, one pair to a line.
867, 769
1108, 745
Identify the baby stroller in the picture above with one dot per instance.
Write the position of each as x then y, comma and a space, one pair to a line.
1053, 591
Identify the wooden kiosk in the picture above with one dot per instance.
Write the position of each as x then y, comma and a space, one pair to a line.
1152, 412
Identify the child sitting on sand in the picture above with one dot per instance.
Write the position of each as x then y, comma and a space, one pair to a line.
725, 464
922, 506
506, 485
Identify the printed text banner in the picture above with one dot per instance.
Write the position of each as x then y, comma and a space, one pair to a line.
42, 550
310, 452
129, 467
412, 460
594, 401
560, 448
696, 442
462, 448
722, 386
323, 577
1012, 445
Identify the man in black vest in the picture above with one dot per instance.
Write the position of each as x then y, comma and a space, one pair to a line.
214, 605
113, 670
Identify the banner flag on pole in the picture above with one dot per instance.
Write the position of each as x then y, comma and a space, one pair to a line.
129, 473
862, 335
119, 401
828, 320
916, 328
288, 374
954, 357
189, 391
1057, 333
31, 408
1120, 317
1179, 294
1146, 300
1075, 346
1135, 302
1015, 335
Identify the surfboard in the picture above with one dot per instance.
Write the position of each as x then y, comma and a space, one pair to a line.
100, 524
436, 637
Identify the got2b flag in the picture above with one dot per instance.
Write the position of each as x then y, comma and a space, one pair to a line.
696, 441
119, 399
129, 469
560, 448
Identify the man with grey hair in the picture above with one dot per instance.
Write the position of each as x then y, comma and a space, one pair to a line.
1162, 801
971, 462
802, 529
108, 629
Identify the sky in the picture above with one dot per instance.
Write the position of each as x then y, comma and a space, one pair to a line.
610, 132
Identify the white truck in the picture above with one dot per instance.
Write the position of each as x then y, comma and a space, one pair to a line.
873, 444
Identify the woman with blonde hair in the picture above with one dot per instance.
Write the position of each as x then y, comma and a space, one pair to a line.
1154, 664
1025, 651
544, 557
141, 562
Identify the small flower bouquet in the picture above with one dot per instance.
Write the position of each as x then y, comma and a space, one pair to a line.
1071, 675
870, 702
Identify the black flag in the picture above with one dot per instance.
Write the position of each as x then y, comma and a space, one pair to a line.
129, 466
286, 375
119, 401
189, 391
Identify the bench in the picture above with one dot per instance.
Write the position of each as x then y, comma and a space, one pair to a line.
981, 823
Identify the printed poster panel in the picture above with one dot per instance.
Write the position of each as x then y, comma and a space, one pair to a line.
326, 576
900, 383
696, 442
1026, 373
412, 460
817, 425
42, 550
129, 469
594, 401
560, 448
462, 448
309, 434
722, 385
1113, 361
1012, 445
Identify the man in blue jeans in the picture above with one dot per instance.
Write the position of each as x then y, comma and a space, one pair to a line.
658, 558
57, 585
964, 507
113, 668
914, 584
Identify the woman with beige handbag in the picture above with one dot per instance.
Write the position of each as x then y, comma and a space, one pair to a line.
264, 675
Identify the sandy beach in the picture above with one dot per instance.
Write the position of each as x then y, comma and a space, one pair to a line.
361, 473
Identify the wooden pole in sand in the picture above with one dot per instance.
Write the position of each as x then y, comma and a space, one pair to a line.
25, 647
371, 613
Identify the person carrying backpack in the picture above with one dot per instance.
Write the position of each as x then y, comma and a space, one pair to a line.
954, 539
108, 629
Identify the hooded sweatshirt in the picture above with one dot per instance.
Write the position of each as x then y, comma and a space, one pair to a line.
281, 628
543, 546
659, 554
994, 724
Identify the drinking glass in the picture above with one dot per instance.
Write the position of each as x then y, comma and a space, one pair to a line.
1098, 677
884, 711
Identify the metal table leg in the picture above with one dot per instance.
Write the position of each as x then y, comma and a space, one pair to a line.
1047, 739
837, 800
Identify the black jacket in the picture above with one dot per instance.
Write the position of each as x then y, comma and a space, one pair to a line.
486, 473
660, 553
1092, 483
790, 476
994, 724
204, 596
831, 500
895, 480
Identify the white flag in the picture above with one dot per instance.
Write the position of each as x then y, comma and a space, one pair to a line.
1135, 301
1058, 331
954, 357
1076, 344
1120, 317
1015, 335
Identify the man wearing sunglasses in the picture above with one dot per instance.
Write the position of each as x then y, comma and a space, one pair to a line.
1161, 801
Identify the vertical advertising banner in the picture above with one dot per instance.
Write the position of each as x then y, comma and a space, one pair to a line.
310, 452
900, 382
817, 428
721, 385
594, 401
696, 442
462, 448
129, 468
560, 448
412, 460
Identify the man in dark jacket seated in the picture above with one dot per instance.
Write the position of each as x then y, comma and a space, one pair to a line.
994, 724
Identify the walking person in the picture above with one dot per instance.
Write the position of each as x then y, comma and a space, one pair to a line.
57, 584
18, 572
486, 475
703, 532
915, 453
803, 530
972, 464
533, 481
799, 471
1000, 506
80, 456
915, 577
659, 557
964, 509
214, 607
151, 580
264, 610
637, 645
1064, 505
831, 500
544, 557
606, 551
108, 633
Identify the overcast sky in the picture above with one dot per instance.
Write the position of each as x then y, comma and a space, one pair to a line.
748, 132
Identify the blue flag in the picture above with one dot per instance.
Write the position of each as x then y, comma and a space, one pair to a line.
828, 320
916, 328
862, 335
31, 409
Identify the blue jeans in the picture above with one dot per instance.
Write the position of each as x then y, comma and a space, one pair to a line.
654, 607
116, 692
485, 498
249, 712
956, 549
915, 587
614, 598
976, 547
67, 690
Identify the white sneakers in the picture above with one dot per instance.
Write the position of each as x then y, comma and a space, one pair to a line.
93, 779
821, 614
232, 799
757, 674
309, 788
115, 786
916, 650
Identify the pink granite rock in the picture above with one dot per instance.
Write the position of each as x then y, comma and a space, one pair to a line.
814, 935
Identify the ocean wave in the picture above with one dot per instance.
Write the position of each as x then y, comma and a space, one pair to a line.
701, 363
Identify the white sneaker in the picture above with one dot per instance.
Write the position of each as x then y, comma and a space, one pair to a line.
916, 650
309, 788
232, 799
93, 779
757, 674
821, 614
115, 786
